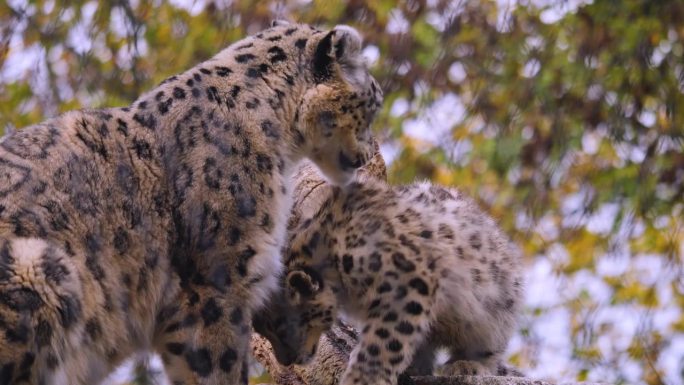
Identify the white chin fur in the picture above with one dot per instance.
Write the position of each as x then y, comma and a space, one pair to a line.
340, 179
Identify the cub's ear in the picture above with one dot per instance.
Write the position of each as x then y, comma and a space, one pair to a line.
279, 23
342, 45
302, 285
347, 43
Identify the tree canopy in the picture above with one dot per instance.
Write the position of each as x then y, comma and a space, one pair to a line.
562, 118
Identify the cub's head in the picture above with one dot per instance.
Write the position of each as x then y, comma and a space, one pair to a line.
335, 113
295, 318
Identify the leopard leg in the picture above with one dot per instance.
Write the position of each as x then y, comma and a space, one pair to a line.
206, 340
396, 324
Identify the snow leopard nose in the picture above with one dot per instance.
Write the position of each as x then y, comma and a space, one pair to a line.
287, 357
347, 163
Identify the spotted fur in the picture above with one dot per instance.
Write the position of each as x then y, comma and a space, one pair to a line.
418, 267
158, 226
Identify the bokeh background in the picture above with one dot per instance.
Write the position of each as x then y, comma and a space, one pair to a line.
565, 119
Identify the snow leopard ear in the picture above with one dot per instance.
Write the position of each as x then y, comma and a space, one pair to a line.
279, 23
347, 43
302, 285
342, 45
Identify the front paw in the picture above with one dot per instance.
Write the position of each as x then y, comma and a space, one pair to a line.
464, 368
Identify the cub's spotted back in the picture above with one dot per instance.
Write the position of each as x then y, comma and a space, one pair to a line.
158, 226
418, 267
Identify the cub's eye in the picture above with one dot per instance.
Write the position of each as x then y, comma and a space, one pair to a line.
371, 113
326, 120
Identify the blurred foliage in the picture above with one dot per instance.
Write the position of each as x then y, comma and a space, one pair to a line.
563, 118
